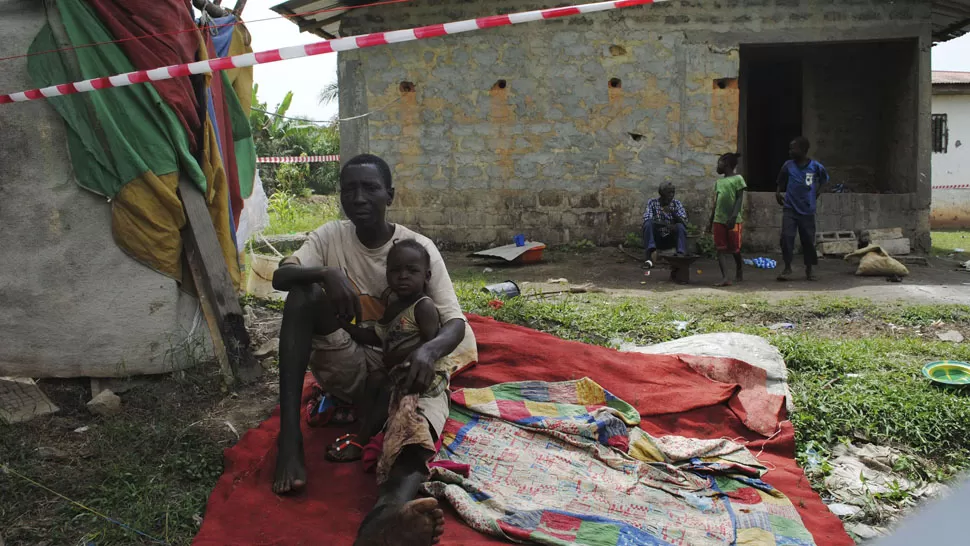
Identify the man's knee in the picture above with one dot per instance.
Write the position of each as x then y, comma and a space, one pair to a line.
303, 298
681, 229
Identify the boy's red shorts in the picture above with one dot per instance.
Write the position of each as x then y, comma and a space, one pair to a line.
727, 240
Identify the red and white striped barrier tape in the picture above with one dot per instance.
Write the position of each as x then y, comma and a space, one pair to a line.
953, 187
318, 48
300, 159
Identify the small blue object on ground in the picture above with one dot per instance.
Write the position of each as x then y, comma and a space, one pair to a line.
762, 263
519, 240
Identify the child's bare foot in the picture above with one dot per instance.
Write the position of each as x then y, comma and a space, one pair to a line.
290, 474
417, 523
724, 282
345, 450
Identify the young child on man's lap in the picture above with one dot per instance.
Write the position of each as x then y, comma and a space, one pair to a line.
410, 320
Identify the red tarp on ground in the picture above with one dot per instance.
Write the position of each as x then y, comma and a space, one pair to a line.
671, 396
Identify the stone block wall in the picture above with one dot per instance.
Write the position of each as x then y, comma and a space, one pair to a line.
563, 129
840, 212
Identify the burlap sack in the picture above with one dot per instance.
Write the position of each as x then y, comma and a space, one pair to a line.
875, 262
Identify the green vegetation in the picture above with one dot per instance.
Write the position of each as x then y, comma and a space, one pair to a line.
291, 214
945, 242
848, 380
277, 135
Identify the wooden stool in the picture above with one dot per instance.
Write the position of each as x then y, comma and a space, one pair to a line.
680, 267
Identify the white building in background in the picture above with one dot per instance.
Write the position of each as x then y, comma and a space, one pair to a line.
951, 150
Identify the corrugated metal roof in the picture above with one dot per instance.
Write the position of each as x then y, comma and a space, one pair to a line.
316, 16
951, 18
951, 78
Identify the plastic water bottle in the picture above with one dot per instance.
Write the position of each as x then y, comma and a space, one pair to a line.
748, 261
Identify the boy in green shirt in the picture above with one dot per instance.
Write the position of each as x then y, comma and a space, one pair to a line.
726, 216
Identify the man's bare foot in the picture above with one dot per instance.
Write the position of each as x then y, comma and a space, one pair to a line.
290, 469
785, 275
417, 523
725, 282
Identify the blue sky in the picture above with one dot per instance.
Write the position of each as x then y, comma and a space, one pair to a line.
305, 77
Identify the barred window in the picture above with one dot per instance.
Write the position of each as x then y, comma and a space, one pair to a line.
941, 135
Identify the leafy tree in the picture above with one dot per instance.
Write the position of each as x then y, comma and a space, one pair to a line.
276, 134
329, 94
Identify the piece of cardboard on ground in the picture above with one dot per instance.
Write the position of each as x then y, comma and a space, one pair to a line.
21, 400
509, 253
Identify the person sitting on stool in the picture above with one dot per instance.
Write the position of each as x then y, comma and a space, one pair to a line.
664, 224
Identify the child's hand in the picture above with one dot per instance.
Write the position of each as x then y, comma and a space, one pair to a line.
399, 373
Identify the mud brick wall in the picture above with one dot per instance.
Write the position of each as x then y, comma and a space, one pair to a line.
563, 129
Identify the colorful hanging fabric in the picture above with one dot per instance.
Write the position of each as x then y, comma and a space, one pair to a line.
130, 144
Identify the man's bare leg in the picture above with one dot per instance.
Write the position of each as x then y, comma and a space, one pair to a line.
722, 263
305, 314
397, 518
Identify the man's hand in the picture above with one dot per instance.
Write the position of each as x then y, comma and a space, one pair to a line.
343, 297
419, 370
780, 198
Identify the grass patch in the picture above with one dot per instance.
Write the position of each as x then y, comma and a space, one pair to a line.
852, 375
151, 467
945, 242
291, 214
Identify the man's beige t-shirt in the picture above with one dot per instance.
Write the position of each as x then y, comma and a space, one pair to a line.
335, 244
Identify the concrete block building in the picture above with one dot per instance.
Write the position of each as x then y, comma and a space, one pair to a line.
563, 129
950, 132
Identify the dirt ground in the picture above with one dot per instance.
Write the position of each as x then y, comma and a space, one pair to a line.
618, 272
173, 429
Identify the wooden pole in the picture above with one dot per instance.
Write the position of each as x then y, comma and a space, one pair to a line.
217, 295
240, 6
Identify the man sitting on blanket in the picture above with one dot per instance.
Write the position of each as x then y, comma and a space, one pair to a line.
338, 277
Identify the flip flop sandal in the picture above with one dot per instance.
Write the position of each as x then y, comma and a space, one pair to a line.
343, 443
323, 410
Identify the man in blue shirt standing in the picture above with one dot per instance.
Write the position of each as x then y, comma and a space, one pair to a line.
799, 183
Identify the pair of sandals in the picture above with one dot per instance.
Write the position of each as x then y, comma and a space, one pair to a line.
325, 410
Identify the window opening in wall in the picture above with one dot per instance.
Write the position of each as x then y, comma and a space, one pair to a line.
615, 83
941, 134
500, 84
406, 87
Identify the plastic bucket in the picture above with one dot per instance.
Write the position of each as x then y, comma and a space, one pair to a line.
507, 289
259, 281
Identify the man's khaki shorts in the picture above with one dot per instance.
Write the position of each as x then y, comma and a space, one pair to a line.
341, 367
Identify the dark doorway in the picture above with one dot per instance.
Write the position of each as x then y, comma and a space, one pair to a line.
771, 84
